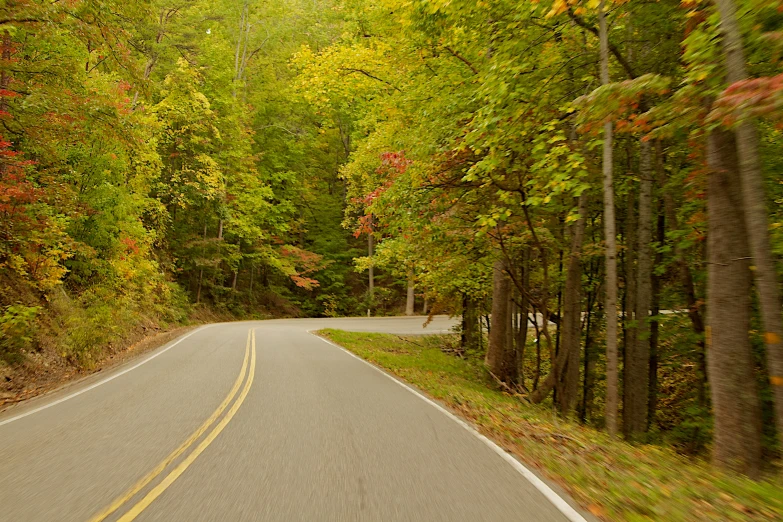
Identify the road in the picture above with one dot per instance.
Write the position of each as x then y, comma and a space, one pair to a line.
256, 421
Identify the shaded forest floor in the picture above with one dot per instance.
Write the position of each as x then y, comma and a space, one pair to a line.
614, 480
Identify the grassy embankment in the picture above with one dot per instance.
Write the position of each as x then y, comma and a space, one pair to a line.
612, 479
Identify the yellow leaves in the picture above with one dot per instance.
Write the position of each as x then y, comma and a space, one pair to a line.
700, 75
558, 7
561, 6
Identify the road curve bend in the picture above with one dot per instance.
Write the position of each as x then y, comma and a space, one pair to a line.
258, 421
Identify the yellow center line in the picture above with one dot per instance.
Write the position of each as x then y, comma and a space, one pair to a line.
138, 486
180, 469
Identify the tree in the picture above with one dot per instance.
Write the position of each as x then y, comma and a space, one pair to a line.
734, 394
610, 305
755, 210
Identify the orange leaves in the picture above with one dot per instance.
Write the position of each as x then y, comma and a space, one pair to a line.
300, 264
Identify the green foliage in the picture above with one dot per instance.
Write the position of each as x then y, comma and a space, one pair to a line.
17, 326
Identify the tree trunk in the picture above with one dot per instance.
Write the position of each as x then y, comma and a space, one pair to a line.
638, 354
655, 309
265, 276
735, 399
611, 245
510, 353
200, 280
470, 323
537, 372
628, 256
496, 358
753, 201
524, 311
589, 364
567, 386
370, 252
411, 299
201, 271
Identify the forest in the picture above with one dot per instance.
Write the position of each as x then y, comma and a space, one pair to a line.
595, 188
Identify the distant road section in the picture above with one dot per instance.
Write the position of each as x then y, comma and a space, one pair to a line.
257, 421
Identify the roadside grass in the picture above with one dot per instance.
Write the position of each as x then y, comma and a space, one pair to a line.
612, 479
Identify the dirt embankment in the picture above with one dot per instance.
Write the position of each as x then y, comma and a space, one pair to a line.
46, 370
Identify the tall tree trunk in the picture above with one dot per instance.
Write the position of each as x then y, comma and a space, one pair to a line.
655, 309
524, 311
201, 271
510, 353
537, 372
567, 386
411, 298
589, 363
370, 252
242, 37
611, 245
497, 352
629, 296
757, 227
637, 359
735, 398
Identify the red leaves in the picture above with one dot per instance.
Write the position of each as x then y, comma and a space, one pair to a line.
305, 282
395, 161
392, 165
131, 247
365, 225
757, 97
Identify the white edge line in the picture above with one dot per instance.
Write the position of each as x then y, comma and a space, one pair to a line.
564, 507
104, 381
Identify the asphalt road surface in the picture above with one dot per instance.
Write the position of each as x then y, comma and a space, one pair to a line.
257, 421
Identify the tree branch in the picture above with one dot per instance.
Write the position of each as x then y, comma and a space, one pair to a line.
361, 71
456, 55
616, 52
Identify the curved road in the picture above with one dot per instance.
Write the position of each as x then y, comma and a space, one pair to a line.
256, 421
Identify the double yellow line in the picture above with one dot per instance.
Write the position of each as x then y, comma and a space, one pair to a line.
155, 492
